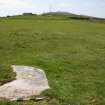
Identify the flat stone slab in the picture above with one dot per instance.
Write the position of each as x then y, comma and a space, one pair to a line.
29, 81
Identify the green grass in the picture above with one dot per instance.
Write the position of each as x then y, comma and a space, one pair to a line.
71, 52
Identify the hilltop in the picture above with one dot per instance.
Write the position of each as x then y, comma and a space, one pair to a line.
71, 15
59, 15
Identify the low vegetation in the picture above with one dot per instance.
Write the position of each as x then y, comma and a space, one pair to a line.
72, 53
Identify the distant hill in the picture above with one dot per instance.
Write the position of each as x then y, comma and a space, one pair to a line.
58, 13
71, 15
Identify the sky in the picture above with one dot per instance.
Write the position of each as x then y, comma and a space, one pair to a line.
84, 7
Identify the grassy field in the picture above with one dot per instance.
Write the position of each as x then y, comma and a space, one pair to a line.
71, 52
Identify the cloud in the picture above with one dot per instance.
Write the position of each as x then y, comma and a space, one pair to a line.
13, 7
9, 7
65, 5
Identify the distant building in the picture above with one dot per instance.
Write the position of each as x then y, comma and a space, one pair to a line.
28, 14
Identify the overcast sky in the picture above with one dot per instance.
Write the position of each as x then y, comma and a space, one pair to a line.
86, 7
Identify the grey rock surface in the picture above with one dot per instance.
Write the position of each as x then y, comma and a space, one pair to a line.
29, 81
